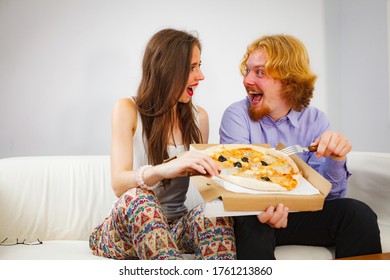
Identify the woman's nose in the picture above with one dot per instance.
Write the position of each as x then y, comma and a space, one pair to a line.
200, 75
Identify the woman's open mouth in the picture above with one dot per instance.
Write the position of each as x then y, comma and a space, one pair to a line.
191, 89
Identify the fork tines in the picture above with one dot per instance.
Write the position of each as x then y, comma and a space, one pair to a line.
290, 150
298, 149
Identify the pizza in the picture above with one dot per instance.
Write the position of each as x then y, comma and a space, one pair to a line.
256, 167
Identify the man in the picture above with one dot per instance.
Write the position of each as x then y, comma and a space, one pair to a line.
279, 85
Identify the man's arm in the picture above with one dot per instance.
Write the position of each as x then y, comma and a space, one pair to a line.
334, 147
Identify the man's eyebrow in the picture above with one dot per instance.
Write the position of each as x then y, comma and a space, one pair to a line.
257, 66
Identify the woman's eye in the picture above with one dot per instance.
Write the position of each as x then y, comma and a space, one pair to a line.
195, 68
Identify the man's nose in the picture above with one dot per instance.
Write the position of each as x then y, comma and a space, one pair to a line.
248, 80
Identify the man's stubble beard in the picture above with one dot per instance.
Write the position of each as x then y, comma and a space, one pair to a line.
256, 114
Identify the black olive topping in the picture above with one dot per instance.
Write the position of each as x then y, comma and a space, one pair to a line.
221, 158
238, 164
265, 179
264, 163
245, 159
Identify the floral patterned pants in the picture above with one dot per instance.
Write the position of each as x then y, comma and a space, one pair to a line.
138, 229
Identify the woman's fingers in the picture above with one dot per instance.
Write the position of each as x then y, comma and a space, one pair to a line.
193, 162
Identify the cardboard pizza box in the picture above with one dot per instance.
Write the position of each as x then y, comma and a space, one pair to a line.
234, 203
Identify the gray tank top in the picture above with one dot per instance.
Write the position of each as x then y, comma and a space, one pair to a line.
172, 196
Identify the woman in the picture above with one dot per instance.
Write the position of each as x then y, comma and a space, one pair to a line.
150, 220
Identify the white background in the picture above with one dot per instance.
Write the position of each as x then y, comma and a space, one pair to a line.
63, 64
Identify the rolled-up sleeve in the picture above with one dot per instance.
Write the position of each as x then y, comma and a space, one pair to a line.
336, 172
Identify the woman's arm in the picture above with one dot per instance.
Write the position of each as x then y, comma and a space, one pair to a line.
124, 124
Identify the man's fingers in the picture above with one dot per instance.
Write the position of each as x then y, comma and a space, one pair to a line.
275, 218
265, 216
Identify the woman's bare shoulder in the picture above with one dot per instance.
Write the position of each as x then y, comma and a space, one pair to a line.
125, 104
125, 112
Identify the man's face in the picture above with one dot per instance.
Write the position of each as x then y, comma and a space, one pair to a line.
264, 92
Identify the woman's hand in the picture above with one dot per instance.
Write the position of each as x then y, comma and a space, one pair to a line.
189, 162
275, 218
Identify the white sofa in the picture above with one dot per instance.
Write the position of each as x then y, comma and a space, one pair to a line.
59, 199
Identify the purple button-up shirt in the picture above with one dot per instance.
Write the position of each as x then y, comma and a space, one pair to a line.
296, 128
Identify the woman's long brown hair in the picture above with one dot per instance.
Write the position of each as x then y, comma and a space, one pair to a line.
165, 70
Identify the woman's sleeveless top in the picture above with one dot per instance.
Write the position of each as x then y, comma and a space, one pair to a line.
172, 196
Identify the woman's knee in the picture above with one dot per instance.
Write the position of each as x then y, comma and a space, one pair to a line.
136, 197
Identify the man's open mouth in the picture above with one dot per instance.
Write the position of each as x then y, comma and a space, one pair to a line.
255, 96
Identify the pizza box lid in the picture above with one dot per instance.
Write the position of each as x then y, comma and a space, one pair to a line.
210, 190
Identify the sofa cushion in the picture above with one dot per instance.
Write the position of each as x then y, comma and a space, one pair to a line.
49, 250
79, 250
298, 252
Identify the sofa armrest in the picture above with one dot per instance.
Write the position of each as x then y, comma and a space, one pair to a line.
370, 183
53, 197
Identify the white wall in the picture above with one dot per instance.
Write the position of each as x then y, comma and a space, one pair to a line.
63, 64
364, 74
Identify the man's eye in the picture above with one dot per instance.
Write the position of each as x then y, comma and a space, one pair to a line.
260, 73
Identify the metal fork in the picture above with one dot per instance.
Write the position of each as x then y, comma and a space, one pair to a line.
298, 149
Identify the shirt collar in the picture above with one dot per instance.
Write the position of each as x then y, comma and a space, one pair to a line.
292, 117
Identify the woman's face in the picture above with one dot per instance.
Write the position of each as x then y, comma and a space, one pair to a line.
195, 76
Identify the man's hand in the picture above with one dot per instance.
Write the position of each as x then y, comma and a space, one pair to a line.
332, 144
275, 218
